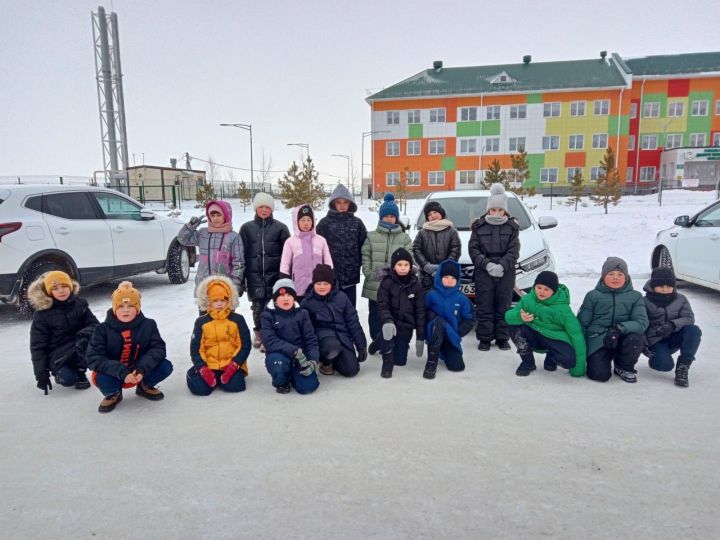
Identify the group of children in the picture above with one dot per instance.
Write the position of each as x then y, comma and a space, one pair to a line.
304, 310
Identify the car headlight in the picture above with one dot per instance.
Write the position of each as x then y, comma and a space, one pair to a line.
536, 261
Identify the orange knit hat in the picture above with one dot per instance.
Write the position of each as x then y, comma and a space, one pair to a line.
56, 277
125, 294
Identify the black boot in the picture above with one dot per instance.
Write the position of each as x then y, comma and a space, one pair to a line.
432, 363
483, 345
373, 347
681, 375
387, 366
525, 368
502, 344
82, 383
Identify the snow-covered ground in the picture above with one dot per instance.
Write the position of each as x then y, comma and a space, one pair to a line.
480, 454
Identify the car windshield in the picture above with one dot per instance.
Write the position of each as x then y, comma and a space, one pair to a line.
462, 211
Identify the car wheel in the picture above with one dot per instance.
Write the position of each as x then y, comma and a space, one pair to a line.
36, 269
665, 260
178, 264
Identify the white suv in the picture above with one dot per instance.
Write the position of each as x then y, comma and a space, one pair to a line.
93, 234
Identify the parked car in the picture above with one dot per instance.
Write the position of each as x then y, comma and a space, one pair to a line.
692, 247
94, 234
463, 207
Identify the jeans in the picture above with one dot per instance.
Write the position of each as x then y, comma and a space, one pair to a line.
342, 359
197, 385
110, 385
527, 339
686, 340
284, 370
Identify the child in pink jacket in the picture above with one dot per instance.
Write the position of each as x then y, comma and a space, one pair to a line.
303, 250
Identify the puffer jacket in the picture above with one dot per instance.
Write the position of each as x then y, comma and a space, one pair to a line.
499, 244
345, 234
678, 312
604, 308
376, 252
401, 300
555, 320
286, 331
263, 241
435, 242
333, 315
58, 328
450, 304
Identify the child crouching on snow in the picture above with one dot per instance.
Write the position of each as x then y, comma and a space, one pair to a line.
220, 342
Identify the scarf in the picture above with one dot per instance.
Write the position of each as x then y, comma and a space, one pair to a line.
224, 228
662, 300
437, 225
388, 226
495, 220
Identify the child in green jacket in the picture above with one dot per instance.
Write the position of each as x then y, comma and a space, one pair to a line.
543, 321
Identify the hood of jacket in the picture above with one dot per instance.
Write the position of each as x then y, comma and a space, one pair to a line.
225, 208
201, 295
341, 192
40, 300
296, 229
438, 277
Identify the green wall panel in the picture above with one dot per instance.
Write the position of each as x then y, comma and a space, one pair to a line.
536, 162
535, 98
415, 131
649, 98
699, 124
613, 125
491, 127
448, 163
468, 129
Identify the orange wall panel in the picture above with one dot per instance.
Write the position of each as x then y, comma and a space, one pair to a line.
505, 161
711, 84
575, 159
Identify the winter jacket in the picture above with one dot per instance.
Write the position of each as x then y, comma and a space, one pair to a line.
555, 320
436, 241
302, 252
56, 327
333, 315
117, 348
499, 244
401, 300
450, 304
678, 312
220, 253
345, 234
286, 331
263, 241
604, 308
376, 252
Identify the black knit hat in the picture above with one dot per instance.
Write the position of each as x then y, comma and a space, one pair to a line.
662, 276
549, 279
306, 211
400, 254
323, 272
433, 206
450, 269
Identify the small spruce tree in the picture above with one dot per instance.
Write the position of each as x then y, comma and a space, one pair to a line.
495, 174
608, 189
244, 194
204, 193
576, 187
401, 191
301, 186
520, 172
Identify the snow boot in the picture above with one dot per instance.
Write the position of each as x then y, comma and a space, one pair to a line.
82, 383
525, 368
431, 364
110, 402
625, 375
387, 366
483, 345
502, 344
681, 375
327, 369
257, 340
153, 394
374, 347
549, 364
284, 389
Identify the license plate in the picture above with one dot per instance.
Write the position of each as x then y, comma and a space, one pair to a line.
467, 289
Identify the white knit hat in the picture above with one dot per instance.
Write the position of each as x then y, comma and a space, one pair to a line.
497, 198
263, 199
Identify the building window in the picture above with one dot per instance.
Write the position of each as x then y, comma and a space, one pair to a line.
551, 109
413, 148
717, 107
392, 178
393, 117
595, 173
647, 174
673, 140
436, 178
631, 142
392, 148
697, 139
493, 113
437, 146
516, 144
468, 146
602, 107
651, 109
700, 108
492, 144
413, 178
414, 116
468, 114
518, 111
716, 139
575, 142
629, 174
551, 142
648, 142
633, 110
676, 109
599, 140
466, 178
437, 115
549, 175
571, 172
577, 108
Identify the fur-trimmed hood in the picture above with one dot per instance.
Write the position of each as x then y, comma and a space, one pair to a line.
39, 298
201, 295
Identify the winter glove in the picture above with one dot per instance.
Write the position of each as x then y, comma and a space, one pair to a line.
208, 376
612, 338
195, 222
666, 330
388, 331
43, 382
381, 271
305, 366
430, 268
494, 269
228, 372
419, 347
362, 355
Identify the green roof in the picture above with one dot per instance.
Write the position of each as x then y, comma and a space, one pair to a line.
531, 77
675, 64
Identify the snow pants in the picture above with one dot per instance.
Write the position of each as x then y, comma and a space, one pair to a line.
110, 385
686, 340
625, 356
493, 297
197, 385
284, 371
527, 340
397, 347
447, 352
342, 359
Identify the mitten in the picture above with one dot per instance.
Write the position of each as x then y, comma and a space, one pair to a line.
305, 367
612, 338
430, 268
228, 372
388, 331
419, 347
666, 330
195, 221
362, 355
208, 376
43, 382
495, 270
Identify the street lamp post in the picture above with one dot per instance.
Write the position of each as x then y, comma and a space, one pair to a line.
345, 156
362, 160
247, 127
306, 146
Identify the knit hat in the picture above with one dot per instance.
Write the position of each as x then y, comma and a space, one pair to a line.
218, 290
662, 276
450, 269
614, 263
549, 279
284, 286
433, 206
323, 272
306, 211
400, 254
388, 207
497, 198
263, 199
56, 277
125, 294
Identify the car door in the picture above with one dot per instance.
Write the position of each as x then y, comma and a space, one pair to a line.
138, 244
78, 230
698, 247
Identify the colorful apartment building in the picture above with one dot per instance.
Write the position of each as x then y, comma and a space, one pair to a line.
442, 128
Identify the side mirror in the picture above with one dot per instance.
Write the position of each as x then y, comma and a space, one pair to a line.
146, 215
405, 222
682, 221
547, 222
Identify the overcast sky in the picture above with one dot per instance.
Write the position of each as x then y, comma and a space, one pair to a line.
296, 71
